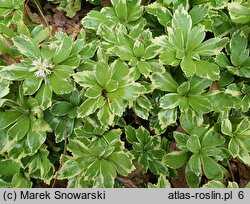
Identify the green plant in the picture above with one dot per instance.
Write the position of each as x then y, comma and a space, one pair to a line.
109, 89
139, 96
96, 162
239, 139
201, 148
147, 150
69, 6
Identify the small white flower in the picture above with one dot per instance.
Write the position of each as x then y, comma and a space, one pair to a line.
41, 68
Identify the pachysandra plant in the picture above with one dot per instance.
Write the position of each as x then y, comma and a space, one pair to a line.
188, 95
62, 116
201, 148
134, 46
184, 46
140, 95
23, 132
45, 69
11, 12
147, 150
239, 135
97, 161
126, 12
109, 88
239, 63
23, 126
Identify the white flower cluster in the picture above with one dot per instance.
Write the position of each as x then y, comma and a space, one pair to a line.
41, 67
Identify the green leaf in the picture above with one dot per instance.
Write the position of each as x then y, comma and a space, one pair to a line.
233, 147
197, 85
21, 181
239, 13
192, 179
130, 134
162, 183
144, 68
15, 72
195, 164
63, 51
199, 103
11, 167
169, 101
19, 129
138, 48
94, 19
69, 169
211, 47
7, 118
195, 38
6, 30
193, 144
40, 35
243, 127
103, 73
34, 140
167, 117
120, 7
183, 89
207, 70
211, 168
122, 163
198, 13
176, 160
27, 47
40, 166
132, 90
116, 104
244, 157
214, 184
181, 140
31, 84
5, 47
93, 92
88, 107
135, 10
85, 78
188, 66
238, 46
212, 138
164, 82
163, 15
63, 71
181, 19
44, 96
226, 127
59, 85
120, 70
107, 174
169, 57
124, 52
61, 108
4, 87
105, 116
189, 119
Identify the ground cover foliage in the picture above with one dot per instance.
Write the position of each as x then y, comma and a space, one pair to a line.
134, 94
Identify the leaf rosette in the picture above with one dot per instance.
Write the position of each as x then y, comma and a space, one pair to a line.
107, 89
